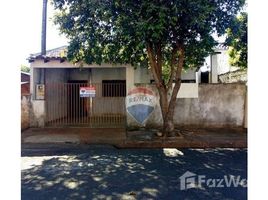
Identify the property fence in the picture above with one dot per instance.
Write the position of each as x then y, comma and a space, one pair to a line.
66, 106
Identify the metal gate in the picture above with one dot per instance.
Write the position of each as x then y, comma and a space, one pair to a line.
65, 106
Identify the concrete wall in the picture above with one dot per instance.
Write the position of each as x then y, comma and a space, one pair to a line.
56, 75
94, 75
189, 74
220, 65
246, 111
25, 111
218, 105
188, 90
35, 79
58, 64
78, 74
56, 93
108, 74
223, 62
142, 75
37, 118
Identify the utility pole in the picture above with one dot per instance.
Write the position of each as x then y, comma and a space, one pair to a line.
44, 28
43, 39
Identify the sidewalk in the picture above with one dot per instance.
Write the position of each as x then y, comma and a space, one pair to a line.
80, 135
193, 138
189, 137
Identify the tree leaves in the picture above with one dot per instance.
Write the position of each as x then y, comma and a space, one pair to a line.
237, 40
117, 31
165, 36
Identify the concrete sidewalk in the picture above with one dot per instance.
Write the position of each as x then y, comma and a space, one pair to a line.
74, 135
193, 138
189, 137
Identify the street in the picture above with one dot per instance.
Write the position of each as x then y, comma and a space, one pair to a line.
104, 172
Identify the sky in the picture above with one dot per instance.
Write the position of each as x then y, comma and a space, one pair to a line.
28, 28
31, 30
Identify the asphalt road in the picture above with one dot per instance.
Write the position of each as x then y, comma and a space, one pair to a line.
102, 172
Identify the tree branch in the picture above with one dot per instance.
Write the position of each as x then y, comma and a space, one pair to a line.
177, 80
153, 64
159, 59
172, 72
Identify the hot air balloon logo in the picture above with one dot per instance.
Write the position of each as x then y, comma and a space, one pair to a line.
140, 103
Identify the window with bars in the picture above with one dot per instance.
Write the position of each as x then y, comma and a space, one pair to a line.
114, 88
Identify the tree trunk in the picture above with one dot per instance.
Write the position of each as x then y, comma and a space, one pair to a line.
170, 103
167, 102
168, 118
168, 126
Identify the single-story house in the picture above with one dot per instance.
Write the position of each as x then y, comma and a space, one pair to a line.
56, 85
58, 89
25, 83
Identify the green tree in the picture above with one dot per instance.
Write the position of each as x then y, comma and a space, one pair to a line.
24, 68
148, 33
237, 40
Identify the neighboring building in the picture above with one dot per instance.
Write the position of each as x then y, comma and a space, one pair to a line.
25, 99
220, 69
25, 83
25, 77
56, 87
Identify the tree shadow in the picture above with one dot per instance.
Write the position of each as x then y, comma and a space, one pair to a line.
130, 174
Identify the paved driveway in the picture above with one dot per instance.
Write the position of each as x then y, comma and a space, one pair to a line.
108, 173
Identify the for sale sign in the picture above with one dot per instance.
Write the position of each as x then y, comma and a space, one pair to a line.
140, 103
87, 91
